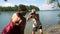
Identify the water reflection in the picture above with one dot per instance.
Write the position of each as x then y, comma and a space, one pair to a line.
48, 17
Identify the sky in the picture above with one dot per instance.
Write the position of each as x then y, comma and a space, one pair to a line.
42, 4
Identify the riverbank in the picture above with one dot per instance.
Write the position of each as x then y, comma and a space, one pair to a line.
53, 30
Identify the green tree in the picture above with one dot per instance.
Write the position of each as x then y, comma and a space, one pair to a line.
15, 8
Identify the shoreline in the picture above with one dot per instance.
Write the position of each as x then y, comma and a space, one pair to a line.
53, 30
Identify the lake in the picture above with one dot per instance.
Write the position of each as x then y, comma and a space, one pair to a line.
47, 18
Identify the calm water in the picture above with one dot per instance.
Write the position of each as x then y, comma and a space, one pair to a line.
47, 18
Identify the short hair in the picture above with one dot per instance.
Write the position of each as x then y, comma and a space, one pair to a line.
18, 14
22, 9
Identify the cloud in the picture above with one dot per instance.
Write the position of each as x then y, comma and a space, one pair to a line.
46, 7
7, 4
30, 0
30, 4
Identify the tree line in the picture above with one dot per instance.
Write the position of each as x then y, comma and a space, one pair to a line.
15, 8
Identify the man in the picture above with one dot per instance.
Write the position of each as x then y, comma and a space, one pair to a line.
37, 24
17, 23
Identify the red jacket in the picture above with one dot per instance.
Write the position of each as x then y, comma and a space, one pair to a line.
12, 29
